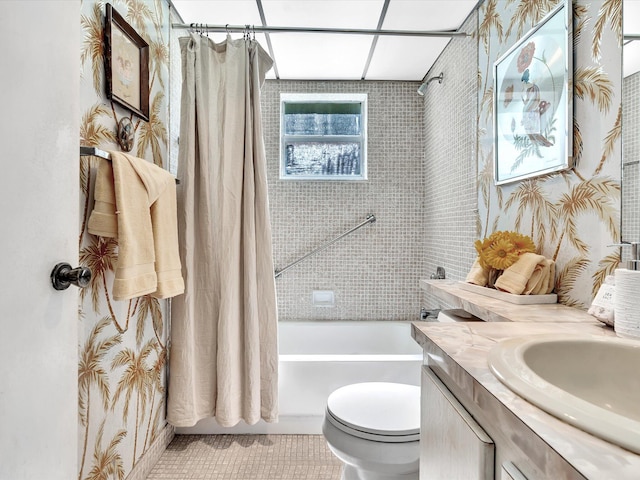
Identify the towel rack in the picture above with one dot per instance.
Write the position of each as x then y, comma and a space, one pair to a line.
96, 152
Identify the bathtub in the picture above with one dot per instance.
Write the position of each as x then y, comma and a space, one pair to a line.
317, 357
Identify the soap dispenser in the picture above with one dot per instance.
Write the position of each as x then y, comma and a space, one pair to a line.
627, 302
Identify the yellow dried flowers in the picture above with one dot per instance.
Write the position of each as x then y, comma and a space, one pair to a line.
501, 249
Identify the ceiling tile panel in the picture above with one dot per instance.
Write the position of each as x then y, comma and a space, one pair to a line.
427, 14
410, 58
308, 56
323, 13
404, 58
219, 12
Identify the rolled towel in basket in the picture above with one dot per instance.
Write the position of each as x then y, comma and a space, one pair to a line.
542, 279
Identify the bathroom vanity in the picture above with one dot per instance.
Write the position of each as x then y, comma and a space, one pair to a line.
474, 427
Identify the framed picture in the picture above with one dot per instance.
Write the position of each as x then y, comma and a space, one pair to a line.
127, 65
533, 101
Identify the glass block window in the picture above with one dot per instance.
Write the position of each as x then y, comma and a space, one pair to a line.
323, 136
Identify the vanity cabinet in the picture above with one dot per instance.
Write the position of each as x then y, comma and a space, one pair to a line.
466, 432
452, 444
528, 443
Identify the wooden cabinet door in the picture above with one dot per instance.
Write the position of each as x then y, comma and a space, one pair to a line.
452, 445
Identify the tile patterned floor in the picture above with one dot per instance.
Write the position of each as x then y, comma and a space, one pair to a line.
247, 457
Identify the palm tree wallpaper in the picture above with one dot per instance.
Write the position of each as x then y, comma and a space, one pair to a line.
572, 214
123, 346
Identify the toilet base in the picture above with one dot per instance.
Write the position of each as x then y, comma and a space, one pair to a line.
349, 472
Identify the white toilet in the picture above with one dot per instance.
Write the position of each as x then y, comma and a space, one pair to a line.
374, 429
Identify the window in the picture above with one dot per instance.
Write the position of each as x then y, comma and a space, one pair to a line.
323, 136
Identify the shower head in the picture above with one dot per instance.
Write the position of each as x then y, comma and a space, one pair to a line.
423, 88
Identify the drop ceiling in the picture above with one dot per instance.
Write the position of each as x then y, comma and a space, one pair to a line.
314, 56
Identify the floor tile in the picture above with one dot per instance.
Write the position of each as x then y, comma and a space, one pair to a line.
247, 457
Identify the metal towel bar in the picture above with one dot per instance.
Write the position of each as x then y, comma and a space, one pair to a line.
96, 152
370, 219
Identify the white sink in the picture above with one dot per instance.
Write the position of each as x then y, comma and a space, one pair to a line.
592, 383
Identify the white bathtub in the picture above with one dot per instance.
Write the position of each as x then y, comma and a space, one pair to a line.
317, 357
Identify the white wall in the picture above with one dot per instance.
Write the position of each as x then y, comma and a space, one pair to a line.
39, 124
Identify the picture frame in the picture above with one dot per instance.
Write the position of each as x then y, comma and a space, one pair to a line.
126, 65
533, 101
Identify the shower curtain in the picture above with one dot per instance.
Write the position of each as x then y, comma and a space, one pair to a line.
223, 356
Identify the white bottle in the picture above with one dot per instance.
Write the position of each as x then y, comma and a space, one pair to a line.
627, 296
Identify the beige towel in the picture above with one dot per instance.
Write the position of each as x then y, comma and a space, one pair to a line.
135, 201
542, 279
477, 275
515, 278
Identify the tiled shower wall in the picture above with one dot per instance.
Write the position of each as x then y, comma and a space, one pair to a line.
374, 272
450, 117
631, 160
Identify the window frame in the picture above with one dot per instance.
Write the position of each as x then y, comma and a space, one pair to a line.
359, 98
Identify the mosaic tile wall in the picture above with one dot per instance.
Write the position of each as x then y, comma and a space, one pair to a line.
631, 161
450, 111
375, 271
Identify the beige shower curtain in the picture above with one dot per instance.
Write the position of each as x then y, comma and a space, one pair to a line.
223, 356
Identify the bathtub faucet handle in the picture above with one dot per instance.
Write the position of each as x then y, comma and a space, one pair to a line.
439, 275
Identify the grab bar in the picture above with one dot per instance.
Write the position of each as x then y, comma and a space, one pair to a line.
370, 219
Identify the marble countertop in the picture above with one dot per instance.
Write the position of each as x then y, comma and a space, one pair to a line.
493, 310
460, 350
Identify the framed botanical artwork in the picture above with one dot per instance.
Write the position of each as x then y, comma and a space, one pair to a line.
533, 101
127, 65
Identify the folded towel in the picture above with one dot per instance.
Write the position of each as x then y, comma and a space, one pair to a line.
103, 220
477, 275
515, 278
135, 201
542, 279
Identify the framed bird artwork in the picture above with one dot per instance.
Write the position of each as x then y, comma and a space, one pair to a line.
533, 106
126, 65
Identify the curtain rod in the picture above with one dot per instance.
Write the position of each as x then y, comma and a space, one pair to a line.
251, 28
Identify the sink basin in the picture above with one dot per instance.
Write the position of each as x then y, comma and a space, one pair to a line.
590, 382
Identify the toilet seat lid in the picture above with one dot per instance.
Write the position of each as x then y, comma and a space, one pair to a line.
380, 411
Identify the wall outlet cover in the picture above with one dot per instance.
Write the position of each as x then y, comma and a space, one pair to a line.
323, 298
